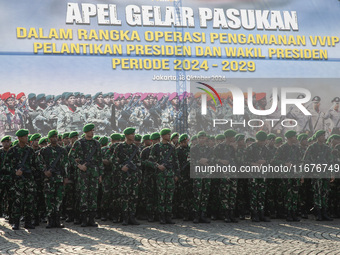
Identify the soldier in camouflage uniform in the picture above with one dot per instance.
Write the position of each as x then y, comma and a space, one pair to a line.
86, 156
165, 163
319, 153
53, 161
257, 154
20, 161
170, 113
128, 158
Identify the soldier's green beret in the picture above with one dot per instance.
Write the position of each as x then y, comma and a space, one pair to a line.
65, 135
88, 96
310, 139
319, 133
6, 138
220, 137
68, 95
146, 137
239, 137
73, 134
332, 137
278, 140
96, 137
230, 133
31, 95
15, 142
155, 136
49, 97
165, 131
183, 137
290, 134
29, 137
57, 97
59, 136
88, 127
40, 96
52, 133
104, 140
110, 94
122, 137
43, 140
77, 94
271, 136
106, 95
35, 136
250, 139
97, 95
261, 136
302, 137
193, 138
201, 134
129, 131
211, 137
115, 137
21, 132
174, 135
138, 138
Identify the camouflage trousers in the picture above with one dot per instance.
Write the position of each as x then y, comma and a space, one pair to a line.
275, 195
24, 197
70, 196
187, 194
7, 192
150, 193
107, 192
53, 191
227, 194
129, 192
176, 202
257, 194
334, 196
292, 194
201, 192
242, 200
306, 195
165, 187
39, 204
88, 189
214, 201
321, 192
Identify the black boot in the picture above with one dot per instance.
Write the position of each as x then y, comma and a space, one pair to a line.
318, 214
57, 222
255, 216
36, 221
125, 219
77, 220
294, 216
70, 217
325, 215
262, 217
242, 215
289, 216
84, 219
50, 222
214, 216
133, 220
204, 218
232, 216
227, 217
196, 218
91, 222
168, 219
16, 224
28, 223
162, 218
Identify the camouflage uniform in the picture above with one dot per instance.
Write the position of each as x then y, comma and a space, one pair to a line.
106, 186
242, 184
69, 120
137, 117
6, 183
10, 123
100, 116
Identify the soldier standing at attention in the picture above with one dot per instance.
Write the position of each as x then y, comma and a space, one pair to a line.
53, 160
86, 156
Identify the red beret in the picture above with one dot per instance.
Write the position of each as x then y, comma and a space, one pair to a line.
7, 95
20, 95
260, 96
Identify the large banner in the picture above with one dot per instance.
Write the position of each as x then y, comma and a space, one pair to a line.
133, 63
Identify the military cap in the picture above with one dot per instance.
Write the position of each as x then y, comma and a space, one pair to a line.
22, 132
194, 138
250, 139
302, 137
88, 127
73, 134
103, 140
35, 136
57, 97
76, 94
122, 137
106, 95
261, 136
52, 133
6, 138
15, 142
278, 140
290, 133
49, 97
239, 137
334, 136
83, 135
319, 133
60, 136
41, 96
96, 137
211, 137
165, 131
31, 95
138, 138
230, 133
146, 137
336, 100
68, 95
88, 96
111, 94
29, 137
316, 99
310, 139
201, 134
115, 137
129, 131
271, 136
174, 135
7, 95
43, 140
220, 137
65, 135
155, 136
20, 95
97, 95
183, 137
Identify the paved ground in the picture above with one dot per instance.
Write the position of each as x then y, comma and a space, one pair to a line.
276, 237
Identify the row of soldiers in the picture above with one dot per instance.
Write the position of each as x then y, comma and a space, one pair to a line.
123, 178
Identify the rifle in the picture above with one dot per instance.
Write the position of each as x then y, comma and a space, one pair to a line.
52, 167
130, 164
22, 167
165, 161
88, 161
